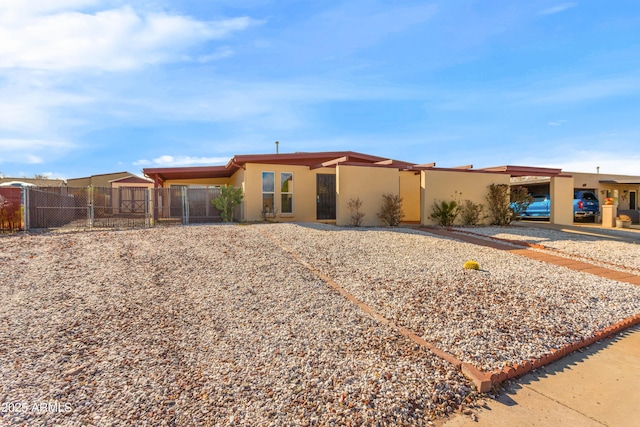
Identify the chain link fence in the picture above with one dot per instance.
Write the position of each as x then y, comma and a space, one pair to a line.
31, 208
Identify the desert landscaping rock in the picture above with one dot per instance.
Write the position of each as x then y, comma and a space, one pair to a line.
608, 253
218, 325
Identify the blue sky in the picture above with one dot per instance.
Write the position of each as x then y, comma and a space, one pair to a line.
98, 86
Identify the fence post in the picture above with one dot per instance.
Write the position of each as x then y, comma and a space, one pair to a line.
90, 206
185, 205
25, 208
147, 211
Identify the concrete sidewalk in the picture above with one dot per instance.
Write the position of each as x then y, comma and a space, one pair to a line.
598, 386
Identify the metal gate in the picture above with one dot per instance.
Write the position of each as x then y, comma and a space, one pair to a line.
325, 196
185, 205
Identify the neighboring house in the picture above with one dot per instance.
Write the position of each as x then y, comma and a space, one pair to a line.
122, 192
310, 187
102, 180
26, 182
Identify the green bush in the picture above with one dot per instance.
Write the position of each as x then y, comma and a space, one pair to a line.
391, 212
445, 213
227, 201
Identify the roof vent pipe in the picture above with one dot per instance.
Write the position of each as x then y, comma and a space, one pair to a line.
277, 147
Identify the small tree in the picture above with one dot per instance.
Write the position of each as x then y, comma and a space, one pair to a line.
354, 206
391, 212
227, 201
445, 213
498, 202
520, 200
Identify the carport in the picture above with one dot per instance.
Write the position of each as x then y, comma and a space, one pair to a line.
560, 188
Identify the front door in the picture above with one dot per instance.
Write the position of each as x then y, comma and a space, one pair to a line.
325, 196
632, 200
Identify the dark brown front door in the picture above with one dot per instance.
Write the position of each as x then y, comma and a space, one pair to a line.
325, 196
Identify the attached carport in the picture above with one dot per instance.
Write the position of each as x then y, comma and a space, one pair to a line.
560, 189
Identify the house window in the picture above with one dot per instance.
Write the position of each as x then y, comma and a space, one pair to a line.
286, 192
268, 192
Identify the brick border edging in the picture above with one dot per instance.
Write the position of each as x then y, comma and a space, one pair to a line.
480, 380
534, 246
483, 381
512, 371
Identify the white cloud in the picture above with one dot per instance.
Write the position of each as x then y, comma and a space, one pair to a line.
15, 8
31, 151
557, 9
112, 40
171, 161
223, 52
557, 123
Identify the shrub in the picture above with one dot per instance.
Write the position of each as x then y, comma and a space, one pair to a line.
471, 213
445, 213
498, 203
471, 265
391, 212
520, 200
354, 206
227, 201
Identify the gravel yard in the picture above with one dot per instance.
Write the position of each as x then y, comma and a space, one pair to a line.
218, 325
610, 253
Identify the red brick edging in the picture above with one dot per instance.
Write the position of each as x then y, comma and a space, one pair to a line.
509, 372
482, 380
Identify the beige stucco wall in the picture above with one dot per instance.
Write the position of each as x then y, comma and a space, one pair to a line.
561, 190
410, 193
304, 191
438, 185
368, 184
618, 192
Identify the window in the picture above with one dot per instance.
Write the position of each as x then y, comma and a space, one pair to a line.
286, 192
268, 192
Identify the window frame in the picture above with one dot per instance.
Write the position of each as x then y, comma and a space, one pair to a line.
272, 193
286, 193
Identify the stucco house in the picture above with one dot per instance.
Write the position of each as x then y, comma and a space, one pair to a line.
311, 187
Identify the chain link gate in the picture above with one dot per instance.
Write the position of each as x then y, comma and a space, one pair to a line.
120, 207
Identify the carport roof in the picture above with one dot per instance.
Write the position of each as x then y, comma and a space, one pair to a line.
526, 171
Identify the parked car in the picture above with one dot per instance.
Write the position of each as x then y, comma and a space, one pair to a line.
585, 206
540, 207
